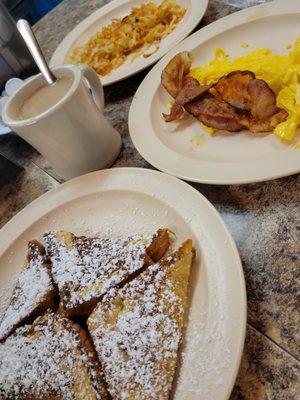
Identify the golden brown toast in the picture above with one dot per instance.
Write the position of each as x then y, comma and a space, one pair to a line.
137, 329
33, 294
51, 359
84, 268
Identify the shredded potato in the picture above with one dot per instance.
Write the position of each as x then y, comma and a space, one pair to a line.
145, 26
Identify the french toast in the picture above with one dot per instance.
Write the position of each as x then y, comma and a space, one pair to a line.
85, 268
137, 329
33, 293
51, 359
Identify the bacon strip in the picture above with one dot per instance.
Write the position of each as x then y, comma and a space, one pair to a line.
191, 91
215, 113
172, 75
237, 101
242, 90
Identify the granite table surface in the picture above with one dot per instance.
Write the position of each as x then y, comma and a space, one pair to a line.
263, 218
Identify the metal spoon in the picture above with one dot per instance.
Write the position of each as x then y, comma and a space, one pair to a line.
35, 50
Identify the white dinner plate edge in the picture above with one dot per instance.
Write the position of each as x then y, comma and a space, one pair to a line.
156, 159
108, 80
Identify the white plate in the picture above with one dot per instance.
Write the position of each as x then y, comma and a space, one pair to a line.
127, 200
119, 9
178, 148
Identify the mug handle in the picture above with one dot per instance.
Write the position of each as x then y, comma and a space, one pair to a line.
95, 85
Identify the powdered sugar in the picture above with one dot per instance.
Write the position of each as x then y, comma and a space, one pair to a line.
138, 347
32, 284
6, 292
87, 267
40, 361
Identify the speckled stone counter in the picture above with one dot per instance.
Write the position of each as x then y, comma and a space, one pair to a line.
263, 218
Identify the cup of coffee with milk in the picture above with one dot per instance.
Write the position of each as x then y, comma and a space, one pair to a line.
60, 113
65, 121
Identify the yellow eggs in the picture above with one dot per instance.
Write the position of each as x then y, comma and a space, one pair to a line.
244, 45
281, 72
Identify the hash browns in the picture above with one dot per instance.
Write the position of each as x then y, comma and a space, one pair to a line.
146, 25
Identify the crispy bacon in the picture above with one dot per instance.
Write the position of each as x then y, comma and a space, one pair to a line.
263, 99
267, 124
242, 90
237, 101
191, 91
215, 113
172, 75
233, 89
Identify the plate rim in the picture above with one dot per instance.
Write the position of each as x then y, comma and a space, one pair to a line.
8, 232
277, 7
100, 12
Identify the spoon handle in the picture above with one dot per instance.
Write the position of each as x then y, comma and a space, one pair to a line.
35, 50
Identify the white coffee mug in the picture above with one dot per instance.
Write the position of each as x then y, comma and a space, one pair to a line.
73, 135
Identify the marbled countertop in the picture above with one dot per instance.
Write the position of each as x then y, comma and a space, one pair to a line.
263, 219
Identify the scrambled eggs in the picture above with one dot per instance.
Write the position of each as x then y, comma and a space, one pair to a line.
281, 72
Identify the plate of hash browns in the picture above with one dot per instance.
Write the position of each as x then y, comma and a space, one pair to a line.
126, 36
223, 106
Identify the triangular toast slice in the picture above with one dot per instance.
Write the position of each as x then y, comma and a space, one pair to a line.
85, 268
137, 329
33, 293
51, 359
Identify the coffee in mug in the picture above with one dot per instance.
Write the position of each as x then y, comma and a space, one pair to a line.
65, 122
44, 98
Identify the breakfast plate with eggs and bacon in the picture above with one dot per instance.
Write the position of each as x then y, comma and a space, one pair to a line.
223, 107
